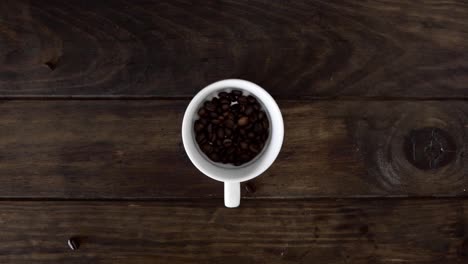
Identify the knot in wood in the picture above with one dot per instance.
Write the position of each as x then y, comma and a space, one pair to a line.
429, 148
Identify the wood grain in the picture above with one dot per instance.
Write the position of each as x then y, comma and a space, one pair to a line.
123, 149
351, 231
292, 48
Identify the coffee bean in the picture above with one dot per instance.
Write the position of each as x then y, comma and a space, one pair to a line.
210, 106
242, 100
202, 112
227, 142
220, 132
227, 132
204, 121
258, 128
235, 108
244, 145
225, 101
198, 126
233, 97
236, 92
214, 156
229, 123
248, 110
207, 148
225, 107
201, 138
254, 148
243, 121
209, 129
230, 150
242, 131
234, 133
260, 115
251, 99
213, 115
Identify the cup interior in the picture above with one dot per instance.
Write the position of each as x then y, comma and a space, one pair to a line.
229, 172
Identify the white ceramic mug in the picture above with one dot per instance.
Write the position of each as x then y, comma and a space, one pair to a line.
232, 175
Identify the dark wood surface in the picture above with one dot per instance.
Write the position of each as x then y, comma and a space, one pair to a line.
327, 231
373, 167
133, 149
292, 48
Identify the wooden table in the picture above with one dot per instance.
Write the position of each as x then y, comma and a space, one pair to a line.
374, 167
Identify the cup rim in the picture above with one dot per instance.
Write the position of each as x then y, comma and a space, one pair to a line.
242, 173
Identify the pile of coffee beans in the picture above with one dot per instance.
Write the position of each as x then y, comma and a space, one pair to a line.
232, 128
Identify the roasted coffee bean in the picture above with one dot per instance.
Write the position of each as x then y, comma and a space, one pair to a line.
220, 132
198, 126
230, 150
236, 92
254, 148
265, 124
201, 138
225, 101
243, 121
242, 131
244, 157
260, 115
207, 148
231, 133
204, 121
210, 106
235, 108
244, 145
233, 97
202, 112
227, 142
248, 110
251, 99
229, 123
258, 128
225, 107
242, 100
214, 156
227, 132
231, 116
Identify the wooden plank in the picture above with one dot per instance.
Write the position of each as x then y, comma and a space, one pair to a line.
133, 149
351, 231
292, 48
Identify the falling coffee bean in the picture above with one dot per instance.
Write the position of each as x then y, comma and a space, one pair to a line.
232, 128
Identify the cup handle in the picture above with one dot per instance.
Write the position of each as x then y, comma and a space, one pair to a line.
231, 194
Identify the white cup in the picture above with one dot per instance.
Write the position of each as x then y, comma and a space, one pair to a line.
232, 175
